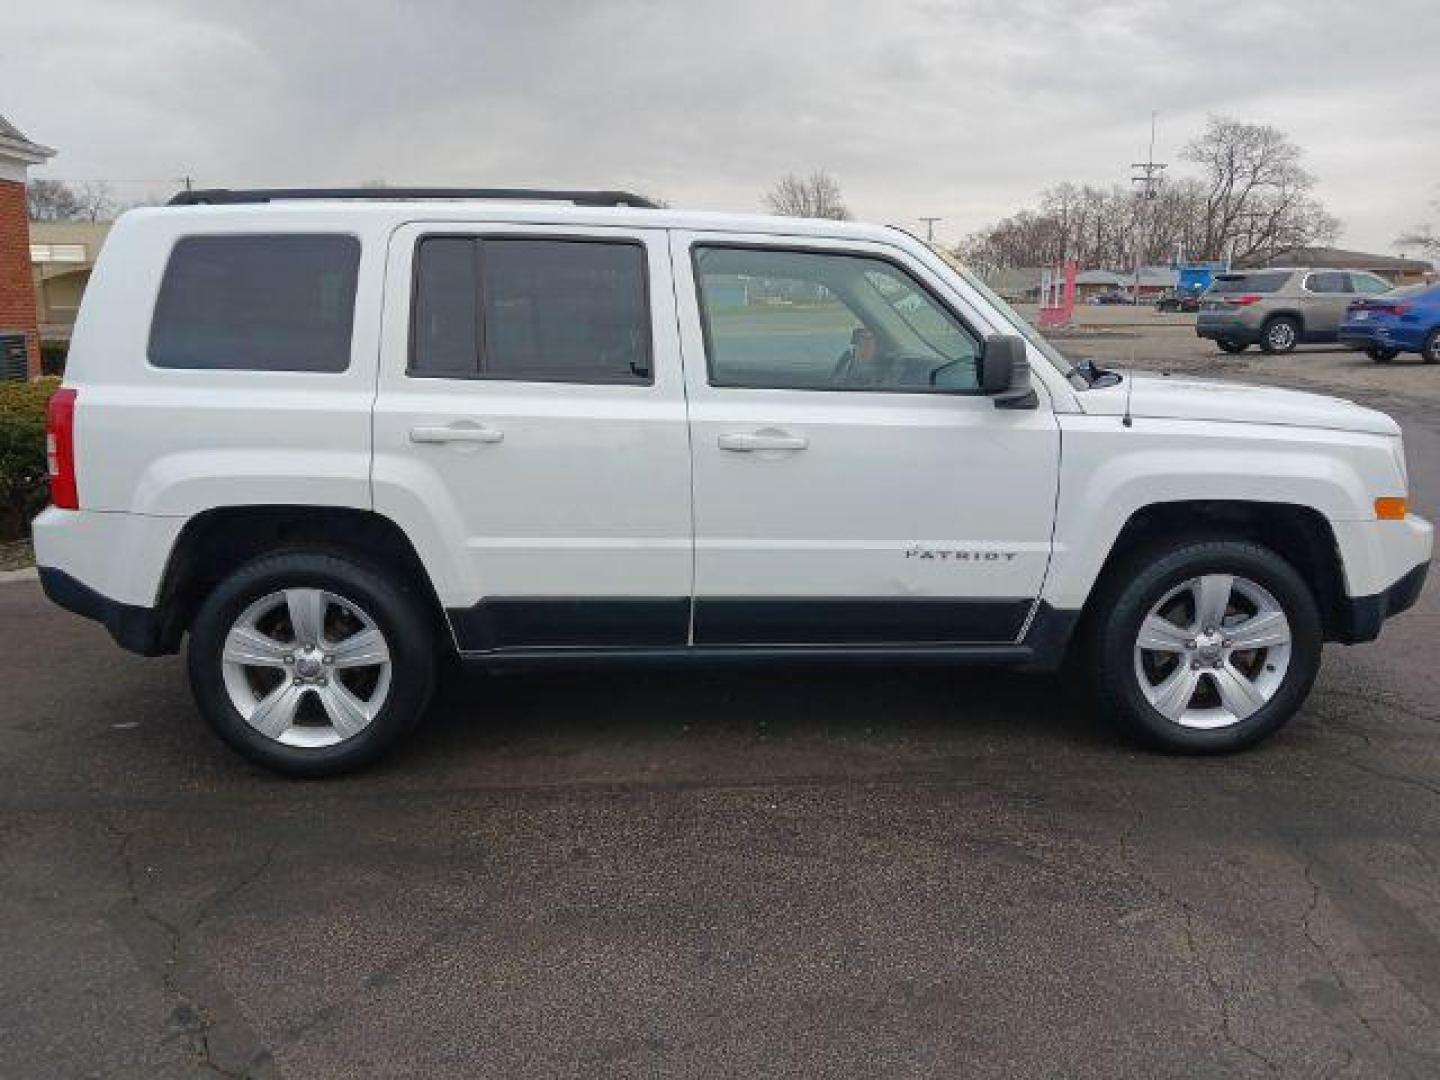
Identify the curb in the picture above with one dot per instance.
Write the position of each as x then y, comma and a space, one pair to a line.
28, 574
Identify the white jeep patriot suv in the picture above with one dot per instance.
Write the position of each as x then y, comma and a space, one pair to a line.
335, 436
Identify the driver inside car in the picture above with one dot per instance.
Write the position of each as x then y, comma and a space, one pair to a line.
862, 364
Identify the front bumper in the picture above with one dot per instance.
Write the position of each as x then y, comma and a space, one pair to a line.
1361, 617
1385, 565
1380, 335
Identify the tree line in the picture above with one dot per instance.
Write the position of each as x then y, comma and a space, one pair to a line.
1248, 195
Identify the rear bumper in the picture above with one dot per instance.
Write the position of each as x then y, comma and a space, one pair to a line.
1226, 330
108, 567
138, 629
1361, 617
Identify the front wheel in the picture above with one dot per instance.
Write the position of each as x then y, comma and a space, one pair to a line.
1205, 647
310, 663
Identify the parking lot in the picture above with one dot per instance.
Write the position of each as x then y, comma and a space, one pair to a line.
740, 872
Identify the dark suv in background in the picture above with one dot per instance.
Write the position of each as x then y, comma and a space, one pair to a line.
1279, 308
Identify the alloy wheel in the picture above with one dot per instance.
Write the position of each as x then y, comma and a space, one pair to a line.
306, 667
1281, 336
1213, 651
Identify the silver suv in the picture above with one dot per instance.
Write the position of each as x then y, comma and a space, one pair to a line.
1278, 309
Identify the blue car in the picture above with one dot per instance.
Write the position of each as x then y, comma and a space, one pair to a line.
1402, 320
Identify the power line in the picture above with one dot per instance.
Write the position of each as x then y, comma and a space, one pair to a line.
1149, 173
1150, 170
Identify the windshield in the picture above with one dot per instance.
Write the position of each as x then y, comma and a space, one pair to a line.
1028, 332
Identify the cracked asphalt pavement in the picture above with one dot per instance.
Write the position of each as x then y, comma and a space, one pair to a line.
803, 872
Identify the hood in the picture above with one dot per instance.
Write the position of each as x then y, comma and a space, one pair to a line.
1169, 398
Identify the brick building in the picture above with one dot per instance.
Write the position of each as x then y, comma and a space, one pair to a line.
17, 289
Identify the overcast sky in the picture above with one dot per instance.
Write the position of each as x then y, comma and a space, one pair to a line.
965, 109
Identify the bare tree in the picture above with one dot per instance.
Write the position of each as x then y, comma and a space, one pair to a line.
815, 196
51, 200
1423, 239
55, 200
1257, 194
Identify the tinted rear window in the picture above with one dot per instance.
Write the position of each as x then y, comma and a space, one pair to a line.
257, 302
531, 310
1266, 282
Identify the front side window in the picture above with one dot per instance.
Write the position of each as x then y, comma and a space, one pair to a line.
530, 310
258, 302
802, 320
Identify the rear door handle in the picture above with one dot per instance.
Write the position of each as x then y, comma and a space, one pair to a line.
748, 441
457, 433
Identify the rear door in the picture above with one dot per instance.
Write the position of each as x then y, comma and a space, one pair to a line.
530, 432
1327, 296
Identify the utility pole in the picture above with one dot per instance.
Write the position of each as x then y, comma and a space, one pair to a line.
189, 183
930, 228
1148, 174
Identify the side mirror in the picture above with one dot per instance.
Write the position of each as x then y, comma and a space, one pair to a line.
1005, 372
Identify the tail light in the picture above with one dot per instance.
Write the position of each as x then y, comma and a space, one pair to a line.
60, 449
1244, 299
1388, 309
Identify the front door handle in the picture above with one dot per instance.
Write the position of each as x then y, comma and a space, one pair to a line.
457, 433
749, 441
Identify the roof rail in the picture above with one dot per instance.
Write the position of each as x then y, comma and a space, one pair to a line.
231, 196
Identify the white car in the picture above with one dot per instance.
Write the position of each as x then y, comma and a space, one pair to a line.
334, 436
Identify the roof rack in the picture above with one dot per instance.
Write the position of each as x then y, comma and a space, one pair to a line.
231, 196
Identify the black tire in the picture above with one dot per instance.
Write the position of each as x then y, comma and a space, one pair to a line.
1382, 356
1280, 334
400, 616
1232, 346
1134, 588
1430, 351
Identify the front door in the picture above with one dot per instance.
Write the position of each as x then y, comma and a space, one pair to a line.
530, 432
850, 484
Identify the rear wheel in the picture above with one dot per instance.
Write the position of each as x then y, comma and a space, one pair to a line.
1232, 346
1382, 356
1205, 647
1430, 351
309, 663
1280, 335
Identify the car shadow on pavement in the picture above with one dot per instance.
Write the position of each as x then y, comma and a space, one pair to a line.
907, 710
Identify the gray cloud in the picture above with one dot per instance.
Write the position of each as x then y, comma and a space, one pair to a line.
965, 109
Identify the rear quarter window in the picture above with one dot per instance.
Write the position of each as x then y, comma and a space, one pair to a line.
256, 302
1263, 282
